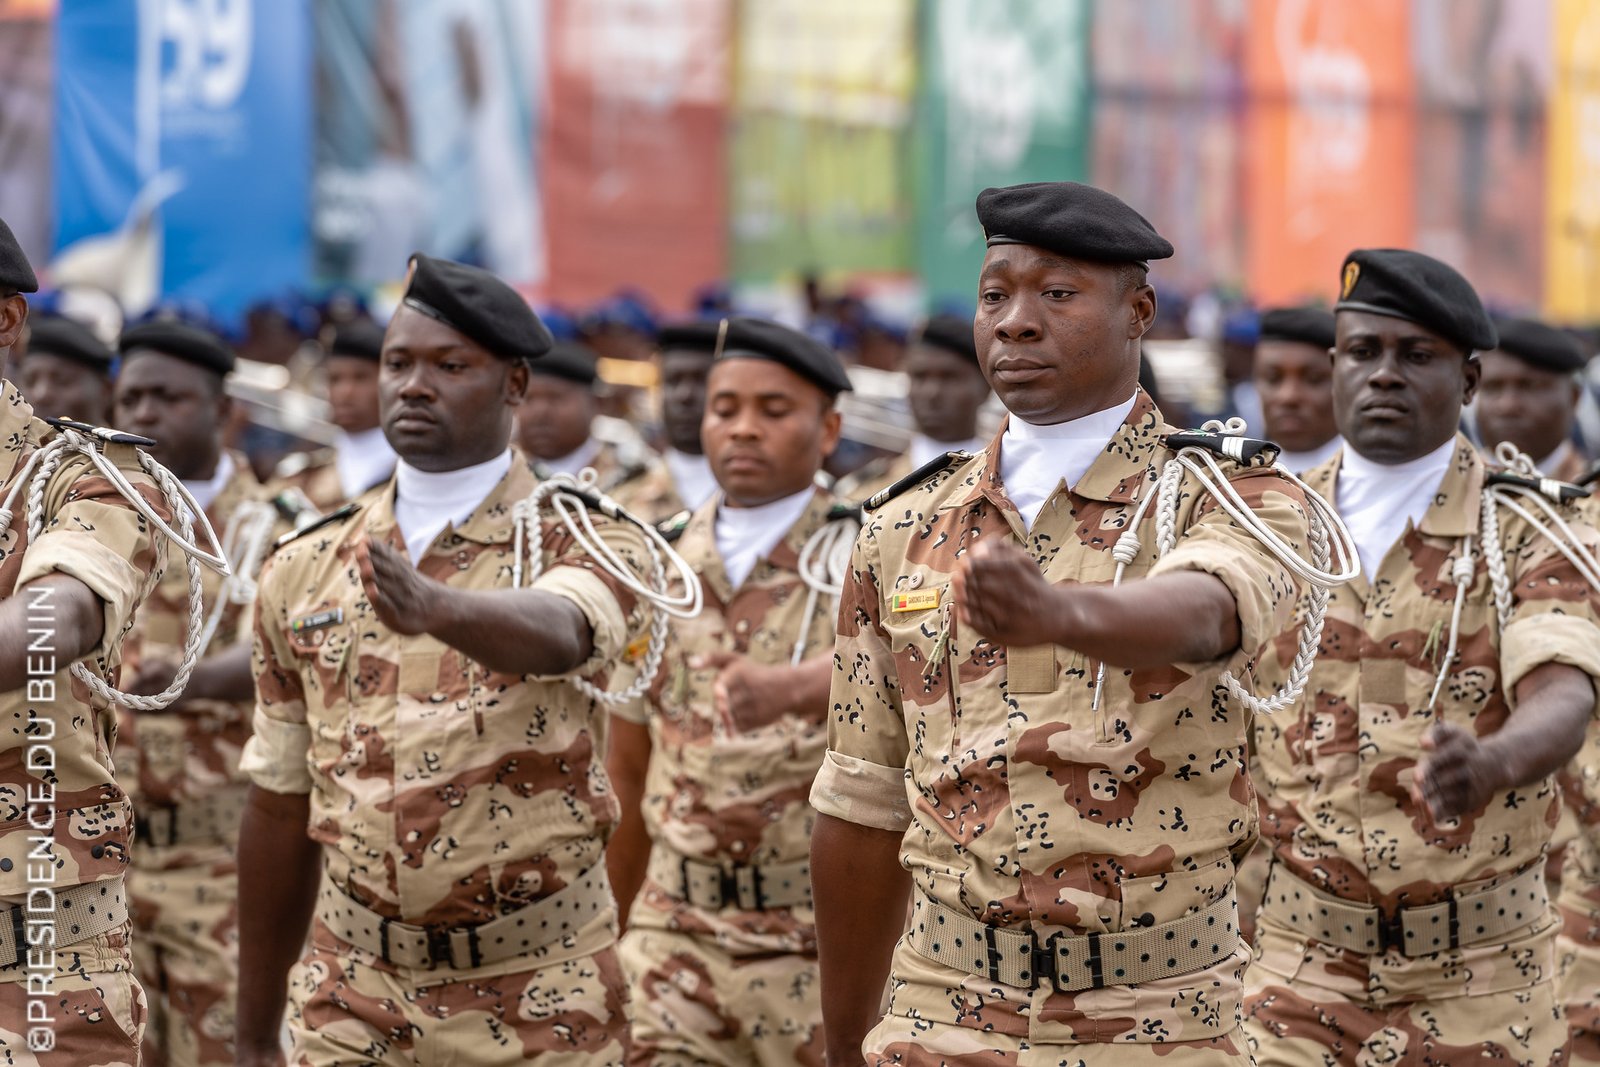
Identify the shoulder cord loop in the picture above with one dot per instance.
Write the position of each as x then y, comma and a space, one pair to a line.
1323, 519
824, 565
36, 475
561, 493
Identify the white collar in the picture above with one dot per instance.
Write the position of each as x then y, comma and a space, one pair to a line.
1554, 459
1036, 460
574, 461
691, 476
1379, 500
362, 460
746, 535
1300, 462
925, 449
1353, 465
206, 490
425, 502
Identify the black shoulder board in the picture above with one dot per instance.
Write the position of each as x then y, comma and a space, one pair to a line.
1592, 477
1560, 492
672, 529
287, 506
844, 511
331, 517
106, 434
1243, 450
936, 465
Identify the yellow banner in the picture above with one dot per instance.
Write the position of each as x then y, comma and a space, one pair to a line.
1572, 206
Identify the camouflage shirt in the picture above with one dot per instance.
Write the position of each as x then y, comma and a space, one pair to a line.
173, 757
735, 792
879, 474
443, 793
1022, 806
652, 496
96, 536
1335, 774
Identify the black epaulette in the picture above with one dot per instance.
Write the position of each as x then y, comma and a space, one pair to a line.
104, 433
937, 465
839, 512
1592, 477
1550, 488
672, 529
288, 508
331, 517
1246, 451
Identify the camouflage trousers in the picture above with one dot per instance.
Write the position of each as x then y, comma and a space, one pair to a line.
901, 1042
1307, 1008
95, 1009
347, 1009
186, 952
1578, 988
694, 1003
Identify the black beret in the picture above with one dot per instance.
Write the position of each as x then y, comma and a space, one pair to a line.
57, 335
951, 333
1540, 346
1307, 326
748, 338
358, 339
477, 305
698, 336
567, 360
180, 341
1409, 285
1069, 219
16, 276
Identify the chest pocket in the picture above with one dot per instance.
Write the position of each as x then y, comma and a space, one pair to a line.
930, 650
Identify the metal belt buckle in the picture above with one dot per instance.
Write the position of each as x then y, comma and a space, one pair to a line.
1042, 961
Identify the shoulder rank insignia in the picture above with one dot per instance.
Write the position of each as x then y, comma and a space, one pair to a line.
936, 465
103, 433
672, 529
839, 512
1550, 488
331, 517
1243, 450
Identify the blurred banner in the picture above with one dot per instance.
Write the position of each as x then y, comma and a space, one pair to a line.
822, 108
1332, 135
1167, 134
426, 115
1004, 99
634, 155
182, 150
27, 78
1572, 209
1483, 74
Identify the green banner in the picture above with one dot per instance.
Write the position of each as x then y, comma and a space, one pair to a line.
1004, 99
822, 104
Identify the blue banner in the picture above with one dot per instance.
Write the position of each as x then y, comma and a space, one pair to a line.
183, 150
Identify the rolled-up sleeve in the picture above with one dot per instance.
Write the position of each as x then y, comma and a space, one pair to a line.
1554, 611
616, 614
277, 755
863, 775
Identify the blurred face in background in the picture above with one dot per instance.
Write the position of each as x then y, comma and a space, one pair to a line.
58, 387
352, 393
767, 430
554, 417
946, 391
1529, 406
1295, 383
180, 406
683, 397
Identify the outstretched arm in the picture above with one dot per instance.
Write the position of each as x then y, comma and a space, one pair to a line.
47, 625
1181, 617
512, 631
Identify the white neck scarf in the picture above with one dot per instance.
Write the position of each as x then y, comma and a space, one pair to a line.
1300, 462
206, 490
574, 461
362, 460
692, 477
1378, 501
425, 502
747, 535
1036, 460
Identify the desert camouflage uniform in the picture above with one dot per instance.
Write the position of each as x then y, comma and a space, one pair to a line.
879, 474
93, 534
616, 466
1021, 806
316, 475
652, 496
184, 893
730, 986
1337, 809
444, 794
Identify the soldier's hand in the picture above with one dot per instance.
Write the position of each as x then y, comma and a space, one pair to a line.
154, 676
402, 599
1456, 774
1001, 594
747, 694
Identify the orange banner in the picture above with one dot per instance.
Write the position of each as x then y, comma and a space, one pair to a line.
1330, 140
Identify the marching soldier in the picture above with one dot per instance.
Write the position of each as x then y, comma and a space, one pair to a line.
180, 766
682, 481
429, 739
1529, 394
1071, 833
1409, 800
555, 425
361, 458
947, 390
68, 995
67, 370
1295, 384
721, 754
